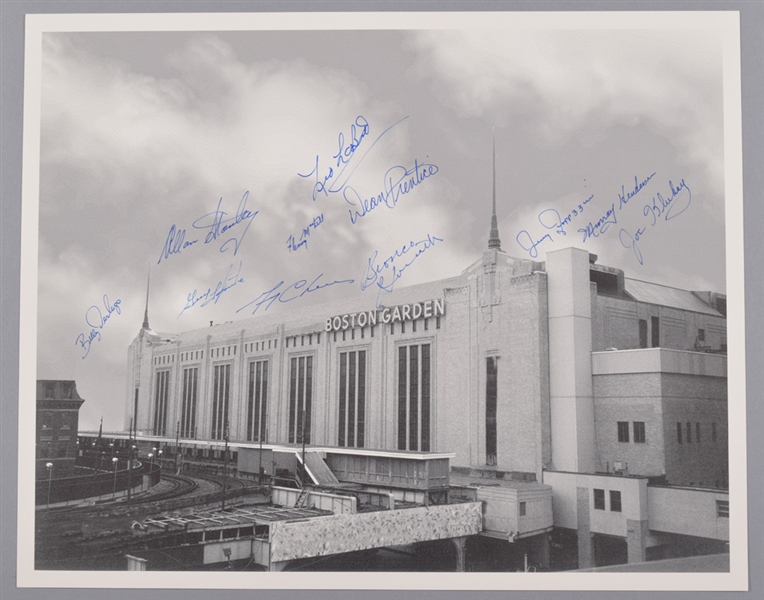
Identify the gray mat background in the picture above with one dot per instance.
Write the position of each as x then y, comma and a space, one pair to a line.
12, 14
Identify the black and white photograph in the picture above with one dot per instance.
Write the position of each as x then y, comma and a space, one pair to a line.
454, 293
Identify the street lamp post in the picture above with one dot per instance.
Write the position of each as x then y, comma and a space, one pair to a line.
50, 477
151, 459
115, 460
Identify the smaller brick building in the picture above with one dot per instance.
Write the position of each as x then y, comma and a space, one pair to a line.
58, 408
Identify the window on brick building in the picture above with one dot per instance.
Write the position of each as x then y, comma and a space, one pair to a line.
678, 433
655, 340
623, 431
599, 499
522, 509
615, 501
639, 432
642, 333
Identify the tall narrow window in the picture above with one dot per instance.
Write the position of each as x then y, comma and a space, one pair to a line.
300, 398
599, 499
160, 402
414, 397
623, 431
352, 409
639, 432
656, 335
678, 433
188, 402
615, 501
220, 394
257, 401
642, 333
491, 391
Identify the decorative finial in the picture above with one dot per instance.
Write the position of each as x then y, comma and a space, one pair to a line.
146, 313
493, 240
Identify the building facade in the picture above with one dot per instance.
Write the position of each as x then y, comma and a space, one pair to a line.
513, 365
58, 409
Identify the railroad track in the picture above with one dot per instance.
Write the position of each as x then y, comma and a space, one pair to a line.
181, 487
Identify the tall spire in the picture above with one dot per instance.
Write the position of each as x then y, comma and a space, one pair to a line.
146, 313
493, 239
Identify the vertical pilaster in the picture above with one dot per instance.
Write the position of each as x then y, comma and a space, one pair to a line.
585, 541
570, 362
636, 535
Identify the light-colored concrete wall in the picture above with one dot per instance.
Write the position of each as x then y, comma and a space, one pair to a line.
687, 512
570, 345
565, 501
616, 322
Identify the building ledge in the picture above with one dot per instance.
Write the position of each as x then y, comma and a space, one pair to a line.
658, 360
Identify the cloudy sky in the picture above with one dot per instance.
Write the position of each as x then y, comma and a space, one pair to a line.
146, 137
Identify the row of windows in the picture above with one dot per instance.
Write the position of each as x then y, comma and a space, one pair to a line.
293, 341
639, 431
615, 500
259, 346
684, 433
66, 387
302, 339
414, 375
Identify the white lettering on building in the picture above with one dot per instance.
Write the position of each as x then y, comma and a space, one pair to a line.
404, 312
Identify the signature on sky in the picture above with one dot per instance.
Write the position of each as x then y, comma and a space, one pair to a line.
294, 245
383, 273
229, 232
96, 317
669, 208
552, 219
212, 295
332, 179
291, 292
397, 181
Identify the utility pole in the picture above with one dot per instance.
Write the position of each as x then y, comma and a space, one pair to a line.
304, 468
225, 464
130, 461
177, 444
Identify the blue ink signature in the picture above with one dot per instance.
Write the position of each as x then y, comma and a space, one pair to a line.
291, 292
601, 226
660, 207
526, 242
331, 181
216, 227
397, 182
385, 275
624, 196
96, 319
213, 294
630, 241
294, 245
551, 218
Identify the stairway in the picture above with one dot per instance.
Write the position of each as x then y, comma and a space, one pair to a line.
319, 472
301, 498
